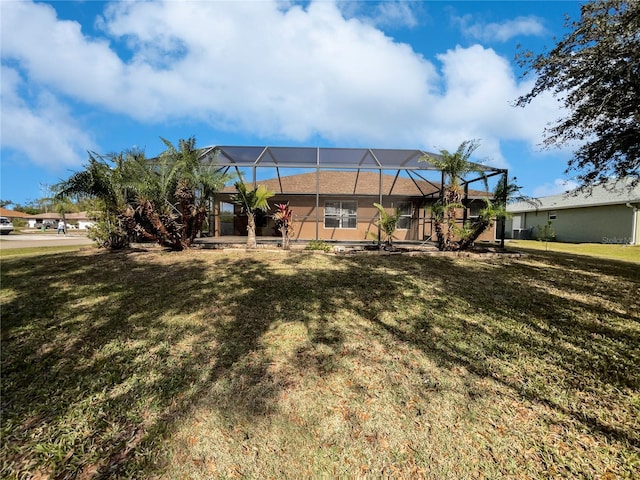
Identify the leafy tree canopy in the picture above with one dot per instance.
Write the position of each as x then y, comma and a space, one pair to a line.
595, 71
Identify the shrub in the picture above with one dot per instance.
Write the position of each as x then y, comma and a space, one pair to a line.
318, 245
546, 233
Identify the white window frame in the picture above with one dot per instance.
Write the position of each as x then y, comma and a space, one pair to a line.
406, 214
343, 214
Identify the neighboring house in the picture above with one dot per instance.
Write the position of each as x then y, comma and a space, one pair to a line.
607, 214
79, 220
343, 208
38, 219
12, 214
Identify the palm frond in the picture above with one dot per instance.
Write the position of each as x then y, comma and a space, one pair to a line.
251, 201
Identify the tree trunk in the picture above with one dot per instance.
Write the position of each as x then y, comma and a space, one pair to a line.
166, 238
284, 231
439, 233
477, 230
251, 231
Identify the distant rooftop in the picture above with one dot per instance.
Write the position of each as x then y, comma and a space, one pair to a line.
612, 193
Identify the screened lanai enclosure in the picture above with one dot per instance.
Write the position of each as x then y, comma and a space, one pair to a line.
332, 191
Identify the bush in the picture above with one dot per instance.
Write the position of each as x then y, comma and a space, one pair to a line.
318, 245
546, 233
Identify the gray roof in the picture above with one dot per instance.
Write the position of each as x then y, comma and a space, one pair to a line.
612, 193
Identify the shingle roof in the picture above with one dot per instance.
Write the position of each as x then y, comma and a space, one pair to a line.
46, 216
58, 216
613, 193
77, 216
352, 183
5, 212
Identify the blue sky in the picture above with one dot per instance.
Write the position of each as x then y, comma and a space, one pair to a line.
82, 76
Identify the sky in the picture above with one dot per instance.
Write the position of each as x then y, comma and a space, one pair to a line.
105, 77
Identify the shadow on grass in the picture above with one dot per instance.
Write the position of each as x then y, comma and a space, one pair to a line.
89, 375
555, 333
104, 354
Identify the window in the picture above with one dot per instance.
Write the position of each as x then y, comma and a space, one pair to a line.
226, 218
340, 214
552, 215
261, 219
474, 210
406, 211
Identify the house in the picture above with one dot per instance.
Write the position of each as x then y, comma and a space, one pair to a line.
343, 209
49, 219
606, 214
12, 214
333, 197
79, 220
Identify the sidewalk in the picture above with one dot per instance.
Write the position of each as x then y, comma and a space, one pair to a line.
25, 240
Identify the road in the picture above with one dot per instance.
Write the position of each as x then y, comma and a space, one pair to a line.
21, 240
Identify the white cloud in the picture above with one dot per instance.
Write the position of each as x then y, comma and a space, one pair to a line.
249, 65
45, 132
390, 14
558, 186
478, 88
55, 53
395, 14
273, 69
501, 31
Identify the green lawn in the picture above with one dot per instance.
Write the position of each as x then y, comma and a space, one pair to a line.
625, 253
12, 252
209, 364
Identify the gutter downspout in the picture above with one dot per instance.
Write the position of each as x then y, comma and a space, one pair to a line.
634, 224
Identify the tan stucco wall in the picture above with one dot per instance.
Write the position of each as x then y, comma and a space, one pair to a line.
304, 211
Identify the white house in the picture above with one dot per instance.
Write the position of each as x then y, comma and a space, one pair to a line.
79, 220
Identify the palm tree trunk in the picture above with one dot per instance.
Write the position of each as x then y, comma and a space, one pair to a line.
251, 231
451, 224
439, 234
477, 230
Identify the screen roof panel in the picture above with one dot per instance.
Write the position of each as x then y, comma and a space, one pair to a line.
313, 157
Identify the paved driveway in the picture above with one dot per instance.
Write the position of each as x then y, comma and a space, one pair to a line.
21, 240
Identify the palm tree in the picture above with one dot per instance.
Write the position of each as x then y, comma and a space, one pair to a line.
63, 204
388, 223
103, 179
505, 191
191, 184
490, 212
454, 167
251, 202
162, 199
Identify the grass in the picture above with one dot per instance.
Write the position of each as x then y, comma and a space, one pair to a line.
625, 253
29, 251
207, 364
